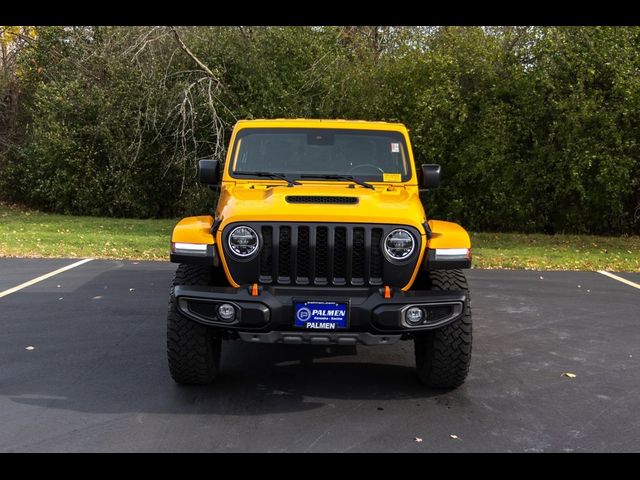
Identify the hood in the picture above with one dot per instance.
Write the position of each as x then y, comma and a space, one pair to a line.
385, 204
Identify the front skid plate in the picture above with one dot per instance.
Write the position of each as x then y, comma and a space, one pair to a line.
319, 338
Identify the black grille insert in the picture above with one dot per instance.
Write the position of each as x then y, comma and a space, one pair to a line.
284, 255
266, 256
322, 255
206, 309
340, 256
303, 260
321, 199
358, 257
377, 259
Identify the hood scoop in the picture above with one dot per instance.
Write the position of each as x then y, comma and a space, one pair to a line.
323, 199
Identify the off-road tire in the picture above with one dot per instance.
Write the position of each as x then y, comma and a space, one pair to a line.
193, 349
443, 355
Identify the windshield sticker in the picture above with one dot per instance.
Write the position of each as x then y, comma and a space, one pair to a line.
395, 147
392, 177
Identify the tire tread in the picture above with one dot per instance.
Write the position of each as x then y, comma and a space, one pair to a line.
443, 356
193, 350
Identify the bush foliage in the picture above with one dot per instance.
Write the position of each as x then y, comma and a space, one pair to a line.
536, 128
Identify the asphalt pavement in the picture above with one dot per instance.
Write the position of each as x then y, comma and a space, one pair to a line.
83, 368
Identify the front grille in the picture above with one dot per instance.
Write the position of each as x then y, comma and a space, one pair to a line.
321, 199
321, 255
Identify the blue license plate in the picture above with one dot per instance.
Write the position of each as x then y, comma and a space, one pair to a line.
321, 315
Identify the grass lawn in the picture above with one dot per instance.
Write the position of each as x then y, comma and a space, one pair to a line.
555, 252
28, 233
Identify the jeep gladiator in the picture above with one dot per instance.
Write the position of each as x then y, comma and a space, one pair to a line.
319, 237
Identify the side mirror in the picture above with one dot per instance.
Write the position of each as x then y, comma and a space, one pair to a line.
208, 171
430, 175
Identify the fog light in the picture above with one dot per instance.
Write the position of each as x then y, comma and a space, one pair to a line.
226, 312
414, 315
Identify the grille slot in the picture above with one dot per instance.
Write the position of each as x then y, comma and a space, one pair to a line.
266, 256
284, 256
205, 309
376, 257
303, 263
358, 254
340, 256
322, 253
321, 199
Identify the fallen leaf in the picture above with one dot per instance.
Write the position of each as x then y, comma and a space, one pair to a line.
30, 348
569, 375
417, 440
541, 277
455, 437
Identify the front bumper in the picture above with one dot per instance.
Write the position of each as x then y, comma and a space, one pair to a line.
269, 316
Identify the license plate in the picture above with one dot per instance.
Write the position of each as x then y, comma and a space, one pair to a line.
321, 315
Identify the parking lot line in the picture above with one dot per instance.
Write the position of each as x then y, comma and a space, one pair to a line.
620, 279
43, 277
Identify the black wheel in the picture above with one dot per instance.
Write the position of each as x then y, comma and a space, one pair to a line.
193, 349
443, 355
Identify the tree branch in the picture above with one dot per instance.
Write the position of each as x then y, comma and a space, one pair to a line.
186, 49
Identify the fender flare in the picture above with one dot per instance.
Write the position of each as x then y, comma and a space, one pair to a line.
194, 231
448, 247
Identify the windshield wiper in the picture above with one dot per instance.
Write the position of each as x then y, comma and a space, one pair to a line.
340, 177
279, 176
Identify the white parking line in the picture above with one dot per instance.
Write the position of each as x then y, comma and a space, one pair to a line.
43, 277
620, 279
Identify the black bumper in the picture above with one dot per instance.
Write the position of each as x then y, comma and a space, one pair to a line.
272, 310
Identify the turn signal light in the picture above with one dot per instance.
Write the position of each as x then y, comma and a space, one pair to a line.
189, 248
453, 254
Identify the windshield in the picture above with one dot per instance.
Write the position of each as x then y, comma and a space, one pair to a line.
368, 155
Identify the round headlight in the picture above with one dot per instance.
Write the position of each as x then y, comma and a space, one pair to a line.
243, 241
399, 244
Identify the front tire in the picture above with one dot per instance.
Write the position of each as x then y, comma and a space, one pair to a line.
443, 356
193, 350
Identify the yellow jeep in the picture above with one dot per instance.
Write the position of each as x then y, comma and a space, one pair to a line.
319, 237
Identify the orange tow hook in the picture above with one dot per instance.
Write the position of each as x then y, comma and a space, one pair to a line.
254, 290
387, 291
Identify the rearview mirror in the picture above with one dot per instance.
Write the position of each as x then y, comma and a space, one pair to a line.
208, 171
430, 175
